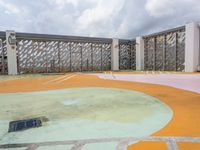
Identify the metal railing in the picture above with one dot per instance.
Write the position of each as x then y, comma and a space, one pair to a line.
165, 51
127, 54
44, 53
3, 54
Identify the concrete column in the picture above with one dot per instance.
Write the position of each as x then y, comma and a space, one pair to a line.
11, 52
115, 55
139, 53
198, 68
192, 47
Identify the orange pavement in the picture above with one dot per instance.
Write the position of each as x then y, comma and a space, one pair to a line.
185, 104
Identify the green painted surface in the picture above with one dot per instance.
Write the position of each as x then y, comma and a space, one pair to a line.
23, 76
83, 113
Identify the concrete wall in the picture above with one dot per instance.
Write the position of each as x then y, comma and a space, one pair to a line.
192, 51
11, 52
139, 53
192, 47
115, 55
198, 69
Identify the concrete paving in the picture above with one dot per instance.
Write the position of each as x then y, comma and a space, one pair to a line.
185, 104
190, 82
83, 113
121, 143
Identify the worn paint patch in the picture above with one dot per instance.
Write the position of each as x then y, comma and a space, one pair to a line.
71, 102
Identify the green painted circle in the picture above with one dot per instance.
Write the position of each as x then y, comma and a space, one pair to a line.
82, 113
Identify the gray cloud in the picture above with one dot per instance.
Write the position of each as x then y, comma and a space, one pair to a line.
103, 18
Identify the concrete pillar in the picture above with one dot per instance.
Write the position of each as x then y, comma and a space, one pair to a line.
192, 47
139, 53
115, 55
11, 52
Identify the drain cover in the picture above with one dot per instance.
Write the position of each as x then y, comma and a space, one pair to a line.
20, 125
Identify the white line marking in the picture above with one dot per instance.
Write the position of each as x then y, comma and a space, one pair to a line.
172, 145
67, 78
113, 76
59, 78
122, 142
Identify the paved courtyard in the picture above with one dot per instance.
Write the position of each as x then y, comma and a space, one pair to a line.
109, 110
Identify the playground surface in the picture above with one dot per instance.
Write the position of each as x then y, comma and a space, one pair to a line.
109, 110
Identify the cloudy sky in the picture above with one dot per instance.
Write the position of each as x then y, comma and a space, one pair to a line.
101, 18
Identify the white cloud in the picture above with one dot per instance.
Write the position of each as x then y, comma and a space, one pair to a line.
162, 8
104, 18
159, 8
62, 3
100, 17
9, 8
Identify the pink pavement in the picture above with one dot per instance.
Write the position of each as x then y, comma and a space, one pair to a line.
190, 82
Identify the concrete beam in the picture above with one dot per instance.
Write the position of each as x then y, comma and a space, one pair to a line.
139, 53
192, 47
115, 55
11, 52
